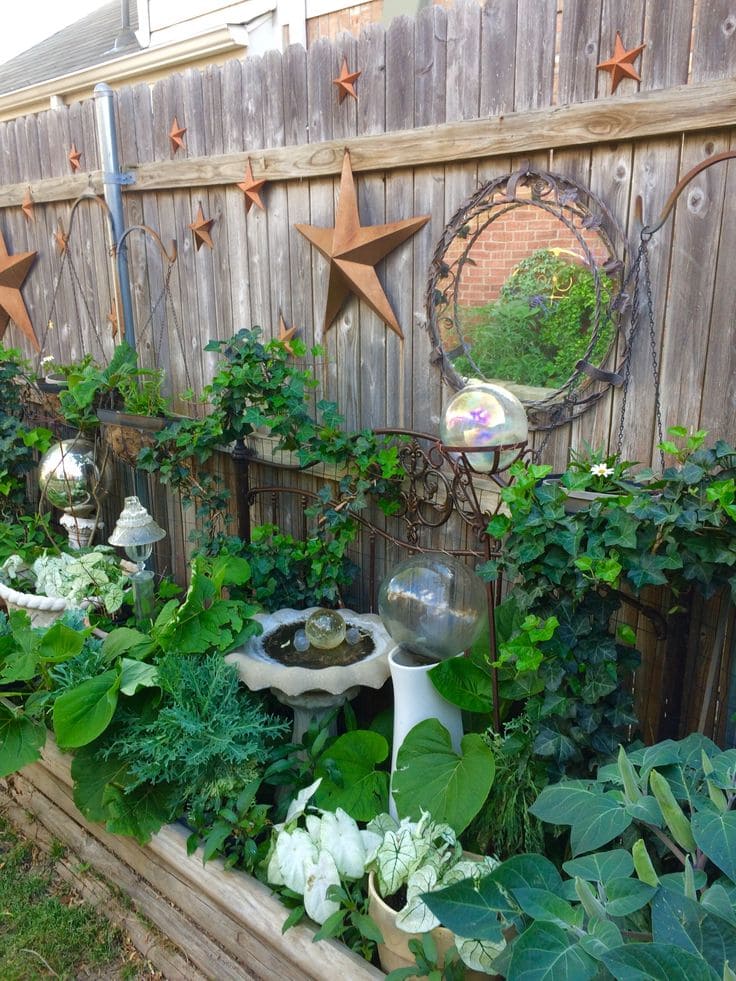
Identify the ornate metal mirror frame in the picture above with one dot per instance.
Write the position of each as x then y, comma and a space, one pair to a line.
594, 236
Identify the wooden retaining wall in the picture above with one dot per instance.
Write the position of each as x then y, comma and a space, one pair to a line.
225, 925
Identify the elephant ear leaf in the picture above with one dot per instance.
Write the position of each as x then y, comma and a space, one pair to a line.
431, 776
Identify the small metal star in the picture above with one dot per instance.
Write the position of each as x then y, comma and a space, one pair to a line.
344, 81
112, 319
250, 188
75, 158
27, 206
620, 63
286, 333
201, 230
175, 136
61, 239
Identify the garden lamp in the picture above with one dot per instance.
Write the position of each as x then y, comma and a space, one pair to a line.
136, 532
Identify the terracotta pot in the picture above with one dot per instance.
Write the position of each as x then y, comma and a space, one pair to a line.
394, 951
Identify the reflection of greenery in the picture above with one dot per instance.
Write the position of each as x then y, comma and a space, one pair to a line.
540, 325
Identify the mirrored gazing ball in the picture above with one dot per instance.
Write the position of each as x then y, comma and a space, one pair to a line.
325, 629
433, 605
483, 414
69, 477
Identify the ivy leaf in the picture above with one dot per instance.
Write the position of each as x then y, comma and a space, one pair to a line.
431, 776
363, 790
552, 743
81, 714
21, 740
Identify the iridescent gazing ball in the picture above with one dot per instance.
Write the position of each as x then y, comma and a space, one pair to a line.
69, 477
483, 414
325, 629
433, 605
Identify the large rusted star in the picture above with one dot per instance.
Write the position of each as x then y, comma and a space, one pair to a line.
345, 80
201, 230
75, 158
250, 188
286, 334
13, 271
353, 250
620, 63
176, 134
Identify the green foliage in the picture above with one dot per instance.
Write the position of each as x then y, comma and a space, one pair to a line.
299, 573
27, 535
208, 737
542, 323
257, 386
120, 384
620, 912
431, 776
350, 779
19, 443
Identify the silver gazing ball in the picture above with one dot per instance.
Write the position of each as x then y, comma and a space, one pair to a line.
300, 641
433, 605
70, 478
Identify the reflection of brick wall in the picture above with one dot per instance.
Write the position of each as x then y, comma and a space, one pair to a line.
503, 244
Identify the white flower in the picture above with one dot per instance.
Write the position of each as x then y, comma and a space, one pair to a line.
601, 470
47, 359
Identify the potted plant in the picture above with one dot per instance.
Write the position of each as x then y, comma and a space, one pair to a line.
50, 583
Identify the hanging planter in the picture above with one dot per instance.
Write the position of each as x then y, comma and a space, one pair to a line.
126, 433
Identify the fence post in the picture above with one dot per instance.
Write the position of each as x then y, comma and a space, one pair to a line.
112, 181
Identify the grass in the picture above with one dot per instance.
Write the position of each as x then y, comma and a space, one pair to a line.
45, 928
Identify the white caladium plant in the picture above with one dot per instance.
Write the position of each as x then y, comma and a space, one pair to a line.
329, 849
78, 577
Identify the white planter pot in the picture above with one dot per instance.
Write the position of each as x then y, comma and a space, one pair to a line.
43, 610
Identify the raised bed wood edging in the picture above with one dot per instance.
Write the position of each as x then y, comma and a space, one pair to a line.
227, 923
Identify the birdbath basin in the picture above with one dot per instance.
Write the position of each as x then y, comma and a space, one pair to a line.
313, 681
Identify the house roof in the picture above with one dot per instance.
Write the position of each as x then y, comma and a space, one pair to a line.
87, 42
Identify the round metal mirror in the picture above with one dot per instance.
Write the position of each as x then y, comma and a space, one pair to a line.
525, 290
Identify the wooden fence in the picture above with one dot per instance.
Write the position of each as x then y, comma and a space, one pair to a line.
445, 102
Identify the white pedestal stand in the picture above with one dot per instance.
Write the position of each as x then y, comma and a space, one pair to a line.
416, 699
79, 530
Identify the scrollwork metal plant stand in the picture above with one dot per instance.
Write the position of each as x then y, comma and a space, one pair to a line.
439, 482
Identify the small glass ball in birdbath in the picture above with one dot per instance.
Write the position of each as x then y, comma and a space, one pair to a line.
433, 605
325, 629
483, 414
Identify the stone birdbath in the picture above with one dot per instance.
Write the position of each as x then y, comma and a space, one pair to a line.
313, 681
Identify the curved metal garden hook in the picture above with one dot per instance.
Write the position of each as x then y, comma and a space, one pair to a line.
649, 230
89, 194
147, 230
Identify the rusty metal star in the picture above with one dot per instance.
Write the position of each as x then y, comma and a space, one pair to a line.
345, 80
75, 158
13, 271
620, 63
353, 250
27, 206
175, 136
201, 229
61, 239
286, 333
250, 188
112, 319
